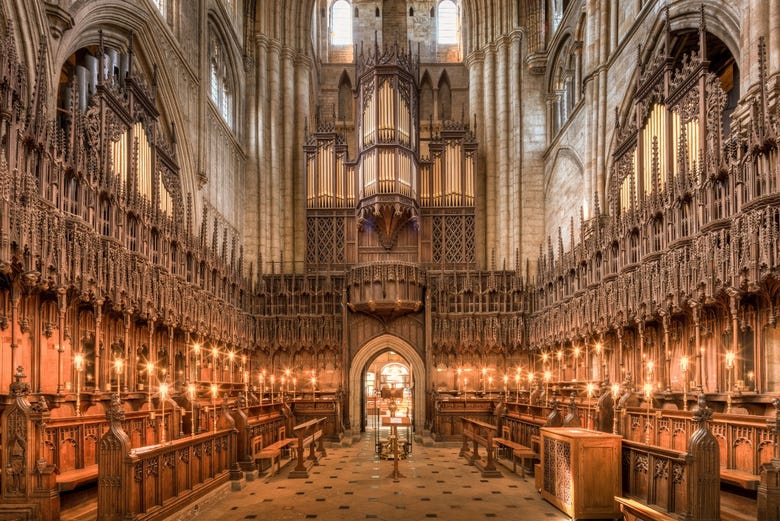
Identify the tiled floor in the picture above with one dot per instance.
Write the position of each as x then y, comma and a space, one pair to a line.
351, 484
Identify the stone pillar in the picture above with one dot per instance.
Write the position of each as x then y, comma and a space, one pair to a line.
489, 146
302, 80
286, 219
263, 150
475, 64
276, 113
501, 152
516, 139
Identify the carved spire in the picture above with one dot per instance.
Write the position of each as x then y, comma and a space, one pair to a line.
702, 34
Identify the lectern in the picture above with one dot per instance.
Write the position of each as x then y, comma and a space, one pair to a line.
581, 471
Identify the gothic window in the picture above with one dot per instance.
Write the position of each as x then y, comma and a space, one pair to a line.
162, 6
174, 258
345, 98
105, 216
562, 86
341, 23
685, 219
445, 98
447, 30
132, 233
658, 230
633, 247
155, 246
220, 79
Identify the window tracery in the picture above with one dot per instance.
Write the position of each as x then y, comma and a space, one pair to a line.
341, 23
221, 84
447, 28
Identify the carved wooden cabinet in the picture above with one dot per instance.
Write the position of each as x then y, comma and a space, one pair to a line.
581, 471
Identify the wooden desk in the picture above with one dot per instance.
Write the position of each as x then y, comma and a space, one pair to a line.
581, 471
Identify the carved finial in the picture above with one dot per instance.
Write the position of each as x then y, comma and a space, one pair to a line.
115, 412
19, 387
703, 413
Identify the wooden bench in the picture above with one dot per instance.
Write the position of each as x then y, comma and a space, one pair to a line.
307, 433
73, 479
633, 510
473, 431
740, 478
517, 451
272, 452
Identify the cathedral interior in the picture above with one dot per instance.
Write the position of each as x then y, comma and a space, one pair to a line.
237, 232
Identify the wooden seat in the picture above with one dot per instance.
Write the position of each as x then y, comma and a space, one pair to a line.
633, 510
518, 451
740, 478
271, 452
72, 479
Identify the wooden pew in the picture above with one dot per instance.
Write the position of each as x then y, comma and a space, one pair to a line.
515, 450
480, 433
273, 452
308, 433
633, 510
745, 442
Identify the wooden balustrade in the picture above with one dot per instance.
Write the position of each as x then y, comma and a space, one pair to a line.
307, 409
72, 442
153, 482
480, 433
308, 433
258, 424
446, 422
745, 443
656, 477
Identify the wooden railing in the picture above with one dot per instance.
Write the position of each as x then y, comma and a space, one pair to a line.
656, 477
745, 442
480, 433
153, 482
308, 434
72, 442
447, 424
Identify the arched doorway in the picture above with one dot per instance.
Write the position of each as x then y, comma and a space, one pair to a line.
360, 364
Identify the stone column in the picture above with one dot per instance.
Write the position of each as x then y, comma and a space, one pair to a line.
302, 79
502, 136
276, 113
489, 146
263, 149
475, 64
286, 219
517, 137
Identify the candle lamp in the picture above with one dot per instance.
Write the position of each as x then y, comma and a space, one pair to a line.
214, 391
490, 384
648, 388
600, 353
118, 366
150, 372
273, 382
246, 387
590, 389
730, 357
214, 362
314, 387
684, 370
78, 361
547, 376
197, 365
231, 359
615, 399
282, 388
458, 372
530, 380
287, 374
261, 381
484, 372
506, 381
576, 354
465, 385
559, 356
517, 386
191, 392
295, 384
163, 394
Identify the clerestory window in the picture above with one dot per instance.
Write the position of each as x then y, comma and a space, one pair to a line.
448, 23
341, 23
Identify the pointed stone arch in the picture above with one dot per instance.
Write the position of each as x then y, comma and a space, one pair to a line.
445, 97
346, 98
363, 358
